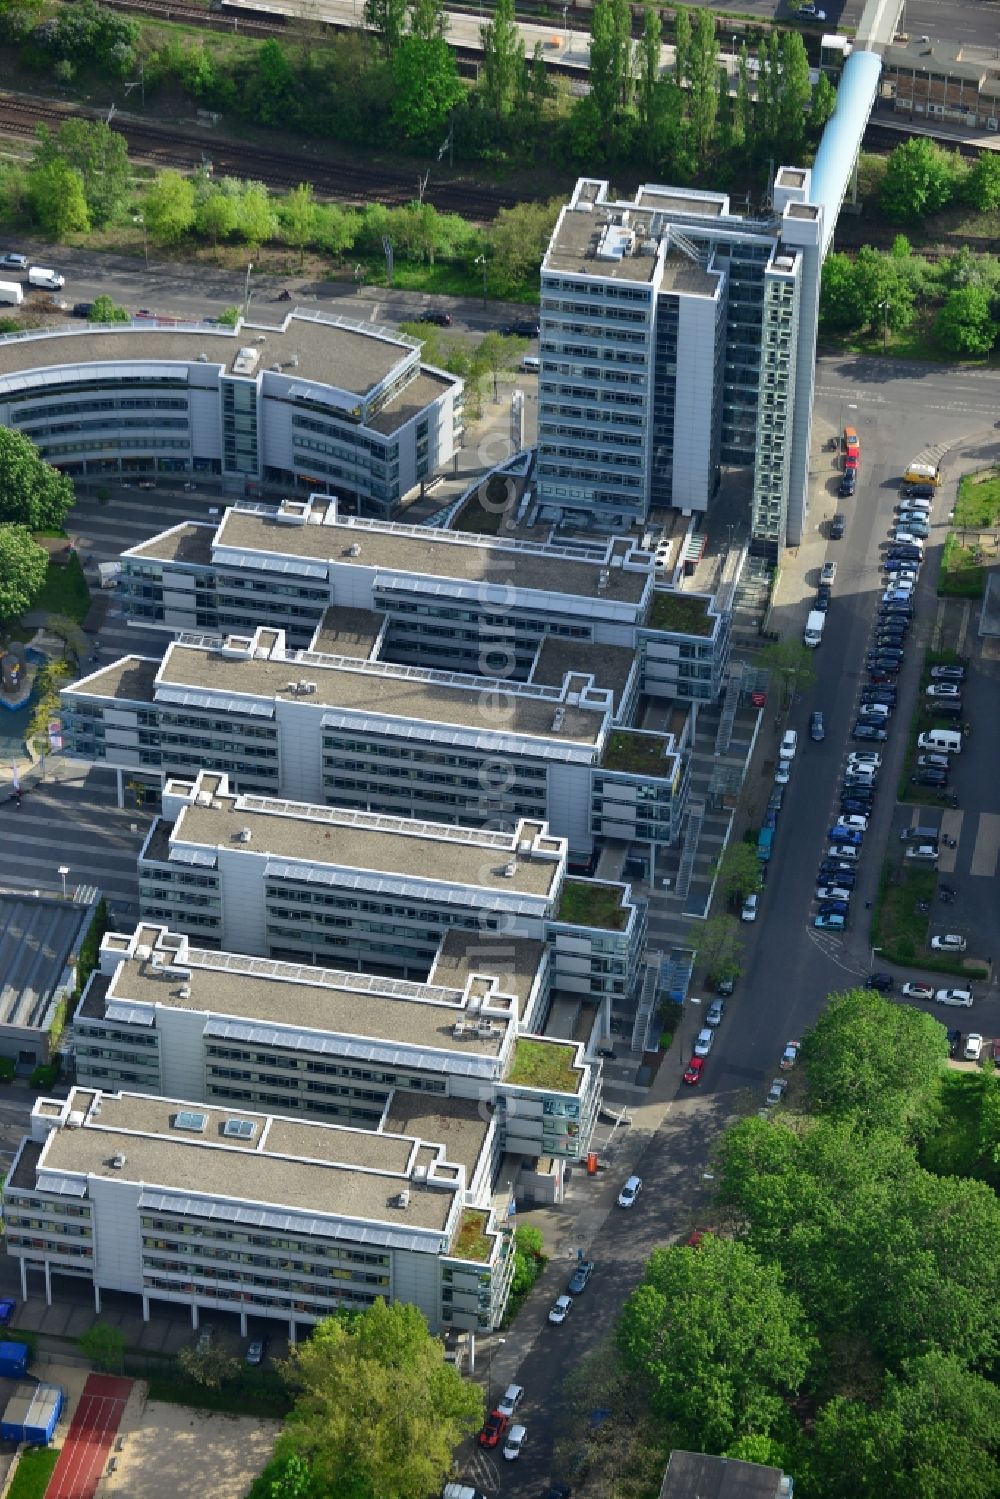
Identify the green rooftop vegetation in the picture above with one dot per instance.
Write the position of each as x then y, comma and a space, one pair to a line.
472, 1242
544, 1064
584, 903
684, 612
640, 754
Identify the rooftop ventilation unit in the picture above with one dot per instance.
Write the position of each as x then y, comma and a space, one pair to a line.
75, 1119
603, 578
458, 1029
184, 992
510, 870
245, 835
117, 1161
202, 358
354, 550
403, 1198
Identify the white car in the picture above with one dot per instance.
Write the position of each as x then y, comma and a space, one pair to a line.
789, 744
876, 710
511, 1399
749, 912
516, 1437
844, 851
906, 538
828, 572
777, 1091
703, 1045
949, 942
943, 689
960, 998
783, 774
790, 1055
560, 1310
854, 821
911, 502
832, 892
630, 1191
865, 757
973, 1047
924, 851
917, 991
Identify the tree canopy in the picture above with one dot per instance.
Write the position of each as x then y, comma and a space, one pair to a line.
32, 492
23, 565
380, 1412
920, 179
965, 325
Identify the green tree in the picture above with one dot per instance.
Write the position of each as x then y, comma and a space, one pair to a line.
874, 1061
256, 221
792, 663
427, 87
23, 565
934, 1435
215, 215
380, 1412
824, 102
272, 89
518, 238
230, 316
702, 66
104, 309
682, 43
168, 207
300, 218
839, 304
743, 107
428, 20
496, 353
739, 871
716, 1341
884, 289
794, 93
965, 325
104, 1345
649, 65
502, 72
210, 1365
610, 60
982, 185
57, 201
100, 155
919, 180
718, 945
387, 18
32, 492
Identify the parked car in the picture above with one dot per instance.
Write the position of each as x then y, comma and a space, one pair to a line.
715, 1012
937, 778
439, 319
917, 991
512, 1396
933, 762
948, 942
830, 922
693, 1075
828, 572
852, 824
630, 1191
725, 987
516, 1438
837, 526
581, 1275
850, 836
847, 486
919, 491
749, 911
851, 805
817, 728
834, 908
865, 757
948, 673
883, 982
943, 690
703, 1043
783, 774
789, 744
8, 1306
843, 851
12, 261
959, 998
560, 1310
256, 1351
925, 852
82, 309
954, 1043
493, 1429
790, 1055
777, 1091
832, 892
973, 1047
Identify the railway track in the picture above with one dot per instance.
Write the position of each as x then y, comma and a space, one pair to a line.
169, 146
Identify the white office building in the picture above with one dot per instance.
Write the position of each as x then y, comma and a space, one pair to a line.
347, 889
316, 402
256, 1214
405, 740
161, 1015
677, 336
497, 607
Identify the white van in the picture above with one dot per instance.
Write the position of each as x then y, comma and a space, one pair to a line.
814, 627
948, 741
11, 294
40, 275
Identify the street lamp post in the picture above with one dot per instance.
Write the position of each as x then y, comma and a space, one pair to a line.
140, 219
63, 872
246, 290
569, 45
885, 308
481, 260
874, 951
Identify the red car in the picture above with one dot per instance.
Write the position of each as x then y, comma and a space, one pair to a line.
694, 1071
852, 463
493, 1429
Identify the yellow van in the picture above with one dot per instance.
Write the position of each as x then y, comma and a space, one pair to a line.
922, 473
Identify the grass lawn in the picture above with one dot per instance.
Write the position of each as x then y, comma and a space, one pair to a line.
34, 1469
962, 575
65, 591
684, 612
586, 904
954, 1148
978, 503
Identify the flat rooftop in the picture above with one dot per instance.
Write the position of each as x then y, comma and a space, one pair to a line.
371, 843
425, 552
578, 239
344, 631
37, 937
327, 1170
348, 356
676, 201
515, 962
611, 666
409, 694
457, 1123
408, 403
327, 1001
190, 542
132, 679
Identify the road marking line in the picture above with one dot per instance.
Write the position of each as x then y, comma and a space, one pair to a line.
987, 845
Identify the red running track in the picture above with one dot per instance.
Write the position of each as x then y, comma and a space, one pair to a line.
92, 1430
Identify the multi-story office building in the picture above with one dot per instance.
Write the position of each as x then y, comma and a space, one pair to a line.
677, 335
348, 889
498, 607
264, 1216
316, 402
164, 1016
384, 738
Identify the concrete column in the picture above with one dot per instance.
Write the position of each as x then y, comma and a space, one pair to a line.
97, 1298
24, 1279
48, 1284
243, 1324
120, 786
194, 1315
145, 1307
291, 1332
